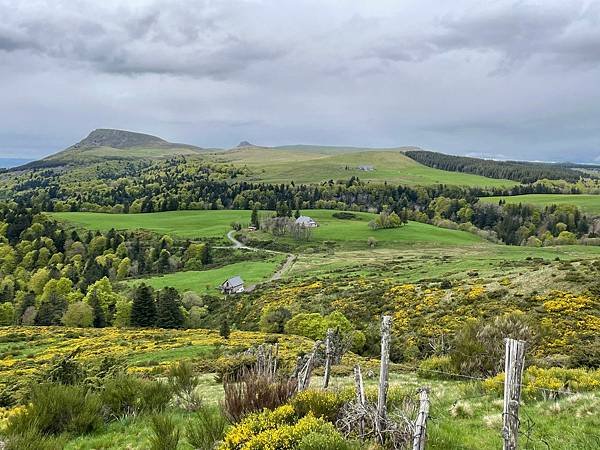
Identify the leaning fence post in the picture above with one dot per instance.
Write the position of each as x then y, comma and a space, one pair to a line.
513, 375
386, 325
421, 423
328, 356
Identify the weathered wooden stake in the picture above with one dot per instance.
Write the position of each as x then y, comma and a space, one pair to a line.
306, 371
328, 356
420, 435
513, 375
386, 325
360, 395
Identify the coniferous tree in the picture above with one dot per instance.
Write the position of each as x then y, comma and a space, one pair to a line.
206, 254
143, 309
254, 218
51, 310
168, 309
224, 330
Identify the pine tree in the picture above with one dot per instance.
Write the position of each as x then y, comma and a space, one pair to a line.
163, 264
97, 310
225, 331
206, 254
254, 218
168, 309
51, 310
143, 310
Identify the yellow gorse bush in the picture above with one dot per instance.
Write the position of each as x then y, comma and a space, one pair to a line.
552, 382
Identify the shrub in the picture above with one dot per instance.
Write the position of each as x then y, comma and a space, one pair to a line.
546, 383
274, 318
33, 440
274, 429
183, 383
165, 434
433, 367
344, 215
255, 392
126, 395
206, 429
232, 368
325, 404
329, 440
56, 409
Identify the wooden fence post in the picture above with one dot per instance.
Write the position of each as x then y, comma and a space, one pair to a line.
420, 435
328, 356
386, 325
306, 371
513, 375
361, 399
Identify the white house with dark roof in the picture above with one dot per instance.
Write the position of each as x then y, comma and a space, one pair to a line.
307, 222
234, 285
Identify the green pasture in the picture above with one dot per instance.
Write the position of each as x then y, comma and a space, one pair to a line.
183, 224
211, 224
311, 166
208, 281
588, 203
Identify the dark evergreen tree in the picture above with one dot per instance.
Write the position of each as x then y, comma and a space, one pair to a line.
254, 218
97, 310
224, 330
168, 309
163, 264
143, 309
206, 254
51, 310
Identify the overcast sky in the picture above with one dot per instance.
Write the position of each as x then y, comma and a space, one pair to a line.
504, 79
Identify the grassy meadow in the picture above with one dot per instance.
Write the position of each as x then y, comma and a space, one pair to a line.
317, 164
588, 203
208, 281
214, 224
182, 224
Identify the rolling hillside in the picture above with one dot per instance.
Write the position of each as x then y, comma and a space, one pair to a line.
314, 164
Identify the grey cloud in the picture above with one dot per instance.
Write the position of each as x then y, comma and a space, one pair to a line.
182, 38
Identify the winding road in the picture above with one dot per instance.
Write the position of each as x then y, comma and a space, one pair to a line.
287, 265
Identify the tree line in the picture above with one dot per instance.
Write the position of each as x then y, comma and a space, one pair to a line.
521, 171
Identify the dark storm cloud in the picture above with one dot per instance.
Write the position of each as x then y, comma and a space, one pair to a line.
513, 78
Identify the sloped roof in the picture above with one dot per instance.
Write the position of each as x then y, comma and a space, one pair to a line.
234, 281
304, 219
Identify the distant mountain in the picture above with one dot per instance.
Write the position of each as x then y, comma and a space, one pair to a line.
110, 144
106, 137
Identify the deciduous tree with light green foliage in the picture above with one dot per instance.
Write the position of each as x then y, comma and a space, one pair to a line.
7, 313
78, 314
122, 313
314, 325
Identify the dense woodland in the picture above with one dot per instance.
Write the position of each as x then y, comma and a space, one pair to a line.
523, 172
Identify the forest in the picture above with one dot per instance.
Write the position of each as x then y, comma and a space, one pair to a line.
521, 171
